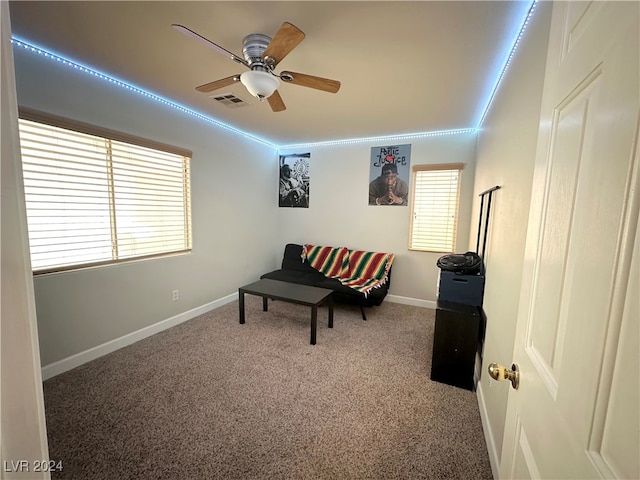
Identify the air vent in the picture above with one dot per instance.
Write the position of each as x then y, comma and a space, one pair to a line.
230, 100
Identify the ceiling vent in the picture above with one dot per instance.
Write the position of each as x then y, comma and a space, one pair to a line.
230, 100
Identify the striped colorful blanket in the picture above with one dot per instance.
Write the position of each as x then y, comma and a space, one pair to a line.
367, 270
329, 261
357, 269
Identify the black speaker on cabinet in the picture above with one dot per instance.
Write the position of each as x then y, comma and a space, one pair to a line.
467, 289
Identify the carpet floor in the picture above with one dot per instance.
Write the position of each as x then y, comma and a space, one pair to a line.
213, 399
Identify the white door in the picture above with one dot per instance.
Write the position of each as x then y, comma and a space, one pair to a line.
576, 412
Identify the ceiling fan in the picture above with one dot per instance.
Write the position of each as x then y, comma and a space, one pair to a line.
261, 55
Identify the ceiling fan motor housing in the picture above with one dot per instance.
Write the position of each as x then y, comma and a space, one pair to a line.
253, 46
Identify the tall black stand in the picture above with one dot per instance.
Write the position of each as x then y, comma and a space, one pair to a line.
483, 223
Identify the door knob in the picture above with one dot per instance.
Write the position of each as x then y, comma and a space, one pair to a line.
499, 372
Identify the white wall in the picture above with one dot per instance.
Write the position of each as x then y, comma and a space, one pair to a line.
233, 226
339, 213
505, 157
22, 424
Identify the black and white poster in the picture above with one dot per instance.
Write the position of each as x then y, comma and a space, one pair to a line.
294, 180
389, 174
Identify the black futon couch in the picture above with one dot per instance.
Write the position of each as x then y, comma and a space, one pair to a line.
295, 270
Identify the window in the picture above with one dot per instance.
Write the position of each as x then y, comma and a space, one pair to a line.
97, 197
434, 207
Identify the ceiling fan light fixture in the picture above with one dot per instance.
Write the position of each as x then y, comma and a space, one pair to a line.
260, 84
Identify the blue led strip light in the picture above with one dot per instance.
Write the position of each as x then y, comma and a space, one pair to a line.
385, 138
22, 44
508, 62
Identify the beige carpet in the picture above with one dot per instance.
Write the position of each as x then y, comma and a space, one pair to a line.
213, 399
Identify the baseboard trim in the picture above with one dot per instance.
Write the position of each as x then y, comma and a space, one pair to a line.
78, 359
488, 436
416, 302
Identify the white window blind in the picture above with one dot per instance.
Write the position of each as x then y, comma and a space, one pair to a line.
95, 200
434, 211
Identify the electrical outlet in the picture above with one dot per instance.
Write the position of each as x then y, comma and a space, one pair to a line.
175, 295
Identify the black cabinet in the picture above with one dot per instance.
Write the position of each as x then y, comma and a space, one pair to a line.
455, 343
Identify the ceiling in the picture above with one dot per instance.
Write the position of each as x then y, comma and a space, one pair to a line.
404, 67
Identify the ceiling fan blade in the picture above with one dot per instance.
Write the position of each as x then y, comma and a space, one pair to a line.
209, 43
285, 40
223, 82
319, 83
275, 102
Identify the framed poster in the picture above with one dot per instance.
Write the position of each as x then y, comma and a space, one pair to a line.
389, 171
294, 180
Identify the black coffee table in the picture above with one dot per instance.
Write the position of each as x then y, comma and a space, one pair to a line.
292, 293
